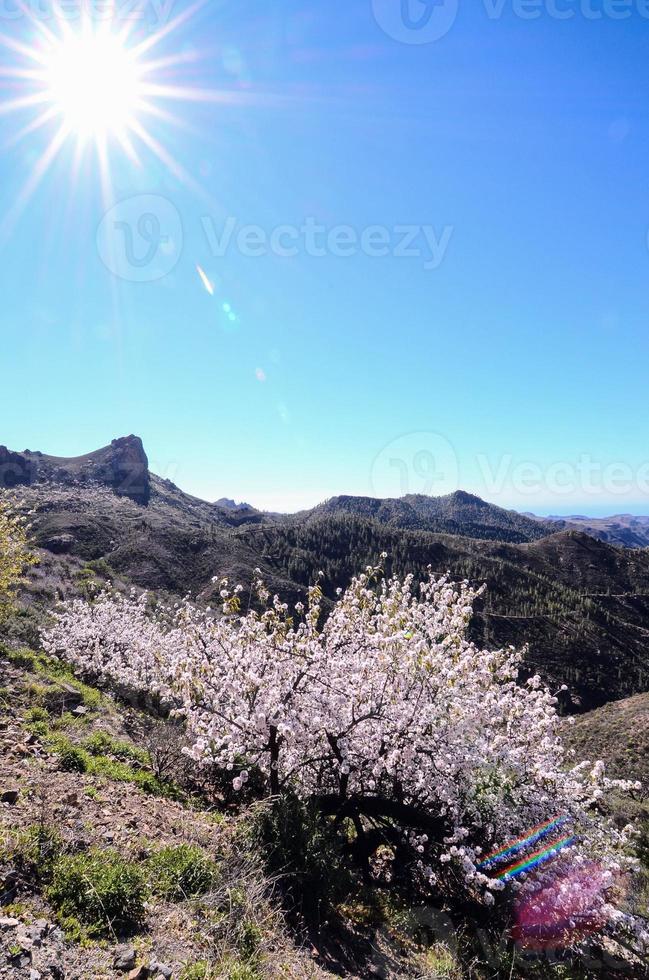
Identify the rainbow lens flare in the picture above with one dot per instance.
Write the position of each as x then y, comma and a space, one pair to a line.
523, 843
566, 910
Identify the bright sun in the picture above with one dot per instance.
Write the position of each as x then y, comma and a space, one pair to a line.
95, 84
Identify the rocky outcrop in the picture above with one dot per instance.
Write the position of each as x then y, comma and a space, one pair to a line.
16, 469
123, 466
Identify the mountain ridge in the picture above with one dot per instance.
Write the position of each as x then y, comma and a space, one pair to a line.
579, 604
123, 467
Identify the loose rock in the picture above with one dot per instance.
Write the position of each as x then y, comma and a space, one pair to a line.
124, 958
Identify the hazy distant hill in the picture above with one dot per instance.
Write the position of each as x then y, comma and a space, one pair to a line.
581, 604
621, 529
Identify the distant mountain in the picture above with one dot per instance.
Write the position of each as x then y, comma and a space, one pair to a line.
580, 604
229, 504
458, 513
625, 530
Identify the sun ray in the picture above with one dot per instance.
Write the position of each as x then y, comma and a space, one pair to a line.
9, 71
126, 143
169, 28
32, 127
164, 156
37, 21
45, 162
164, 115
24, 49
170, 61
24, 102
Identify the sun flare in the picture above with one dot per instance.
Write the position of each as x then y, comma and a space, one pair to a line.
94, 83
97, 85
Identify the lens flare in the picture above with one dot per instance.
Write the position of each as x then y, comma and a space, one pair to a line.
93, 84
535, 835
570, 907
207, 282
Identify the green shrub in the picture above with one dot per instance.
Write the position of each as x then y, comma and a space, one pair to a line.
306, 852
234, 969
34, 850
250, 940
196, 971
101, 567
228, 969
101, 889
79, 758
73, 759
56, 670
26, 659
121, 772
181, 872
38, 714
103, 743
39, 728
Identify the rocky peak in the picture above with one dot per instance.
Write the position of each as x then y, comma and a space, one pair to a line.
123, 466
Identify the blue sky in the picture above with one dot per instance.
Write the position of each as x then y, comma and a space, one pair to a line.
507, 355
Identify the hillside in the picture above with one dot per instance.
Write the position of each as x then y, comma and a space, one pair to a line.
617, 732
457, 513
118, 856
582, 605
115, 862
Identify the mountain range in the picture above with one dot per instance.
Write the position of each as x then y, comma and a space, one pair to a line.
568, 589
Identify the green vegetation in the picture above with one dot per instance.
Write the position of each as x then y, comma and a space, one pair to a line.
53, 671
102, 743
178, 873
72, 758
234, 969
83, 757
196, 971
306, 851
101, 890
37, 714
33, 850
231, 968
15, 556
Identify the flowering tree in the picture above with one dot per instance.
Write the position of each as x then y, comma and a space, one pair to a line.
387, 715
